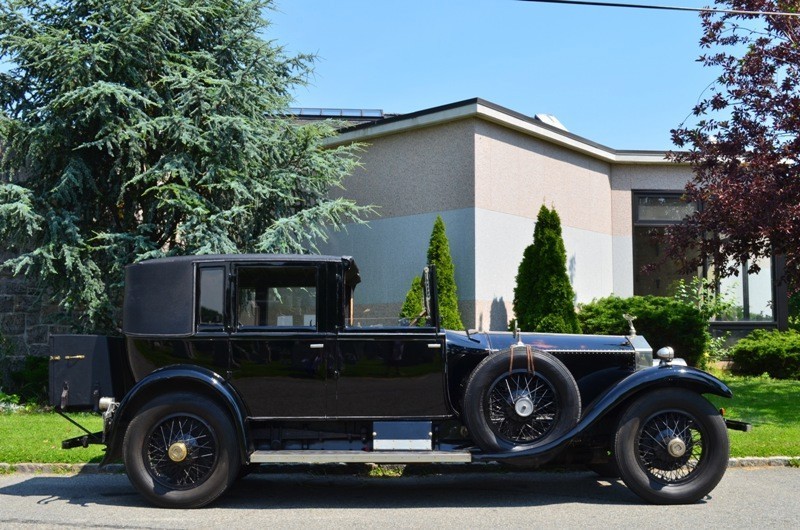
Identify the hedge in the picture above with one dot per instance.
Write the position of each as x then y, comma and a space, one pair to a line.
662, 321
774, 352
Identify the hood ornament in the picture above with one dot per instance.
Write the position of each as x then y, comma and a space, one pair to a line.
630, 319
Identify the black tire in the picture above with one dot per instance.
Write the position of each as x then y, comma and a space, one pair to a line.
672, 447
206, 456
493, 393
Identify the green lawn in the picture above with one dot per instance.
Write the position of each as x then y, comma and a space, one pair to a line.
769, 404
36, 437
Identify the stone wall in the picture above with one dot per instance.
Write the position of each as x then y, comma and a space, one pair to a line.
26, 322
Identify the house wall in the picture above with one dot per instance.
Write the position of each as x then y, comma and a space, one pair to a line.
515, 174
487, 182
411, 178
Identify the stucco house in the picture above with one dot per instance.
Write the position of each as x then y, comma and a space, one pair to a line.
486, 170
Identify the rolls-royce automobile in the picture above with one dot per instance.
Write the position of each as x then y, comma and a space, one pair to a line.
226, 362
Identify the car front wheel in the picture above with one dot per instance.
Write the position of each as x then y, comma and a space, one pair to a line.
671, 447
180, 451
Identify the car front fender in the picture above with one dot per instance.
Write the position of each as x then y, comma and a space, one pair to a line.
633, 385
172, 378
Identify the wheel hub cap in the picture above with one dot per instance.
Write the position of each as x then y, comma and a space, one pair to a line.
524, 407
676, 447
177, 452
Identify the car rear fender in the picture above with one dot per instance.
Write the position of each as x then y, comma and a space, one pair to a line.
607, 403
175, 378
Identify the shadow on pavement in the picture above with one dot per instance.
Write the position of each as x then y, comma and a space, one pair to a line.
291, 491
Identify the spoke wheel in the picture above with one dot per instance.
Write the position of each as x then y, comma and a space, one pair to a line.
522, 407
507, 408
181, 451
671, 447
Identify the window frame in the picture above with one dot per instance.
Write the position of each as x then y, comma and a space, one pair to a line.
204, 327
235, 303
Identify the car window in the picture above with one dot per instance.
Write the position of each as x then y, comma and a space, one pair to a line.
276, 297
211, 299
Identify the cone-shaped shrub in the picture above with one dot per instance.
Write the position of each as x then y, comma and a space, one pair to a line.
543, 297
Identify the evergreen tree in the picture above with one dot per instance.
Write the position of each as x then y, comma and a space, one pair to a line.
543, 297
134, 129
439, 256
412, 307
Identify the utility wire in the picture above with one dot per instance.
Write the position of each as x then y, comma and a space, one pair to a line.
665, 8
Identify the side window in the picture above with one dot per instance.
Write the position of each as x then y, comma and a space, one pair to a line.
211, 299
276, 297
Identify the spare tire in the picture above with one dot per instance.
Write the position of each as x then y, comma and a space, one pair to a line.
509, 407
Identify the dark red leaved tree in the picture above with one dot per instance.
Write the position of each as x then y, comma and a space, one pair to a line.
745, 145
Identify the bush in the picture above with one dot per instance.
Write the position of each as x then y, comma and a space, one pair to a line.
413, 306
439, 256
774, 352
662, 321
543, 296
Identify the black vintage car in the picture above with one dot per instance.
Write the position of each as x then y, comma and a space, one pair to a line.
227, 362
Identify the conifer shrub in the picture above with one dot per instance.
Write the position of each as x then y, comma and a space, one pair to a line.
412, 307
439, 257
543, 296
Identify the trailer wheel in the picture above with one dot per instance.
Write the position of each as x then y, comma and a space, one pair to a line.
507, 406
671, 447
180, 451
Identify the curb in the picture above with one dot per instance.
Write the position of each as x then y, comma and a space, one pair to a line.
94, 469
758, 461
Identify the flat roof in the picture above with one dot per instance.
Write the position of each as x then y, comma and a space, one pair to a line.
486, 110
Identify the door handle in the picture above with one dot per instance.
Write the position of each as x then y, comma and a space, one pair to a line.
434, 346
316, 346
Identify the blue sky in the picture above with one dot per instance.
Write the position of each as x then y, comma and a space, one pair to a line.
620, 77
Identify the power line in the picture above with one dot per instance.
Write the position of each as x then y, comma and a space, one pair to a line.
664, 8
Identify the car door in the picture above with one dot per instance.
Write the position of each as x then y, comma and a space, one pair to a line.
279, 354
388, 373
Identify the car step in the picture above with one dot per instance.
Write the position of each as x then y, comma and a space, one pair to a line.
352, 457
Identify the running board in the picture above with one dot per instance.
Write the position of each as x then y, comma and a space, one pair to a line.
362, 457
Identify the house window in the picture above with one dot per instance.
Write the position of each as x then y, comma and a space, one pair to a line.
752, 294
652, 213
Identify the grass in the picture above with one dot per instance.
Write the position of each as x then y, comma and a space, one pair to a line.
769, 404
36, 437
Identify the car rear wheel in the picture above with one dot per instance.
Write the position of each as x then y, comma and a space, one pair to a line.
507, 407
671, 447
180, 451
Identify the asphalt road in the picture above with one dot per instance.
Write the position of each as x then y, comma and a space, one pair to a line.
746, 498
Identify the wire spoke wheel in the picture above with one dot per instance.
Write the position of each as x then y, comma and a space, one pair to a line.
181, 452
506, 408
522, 407
671, 447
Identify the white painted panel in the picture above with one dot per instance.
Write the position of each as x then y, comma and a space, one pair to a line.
623, 265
